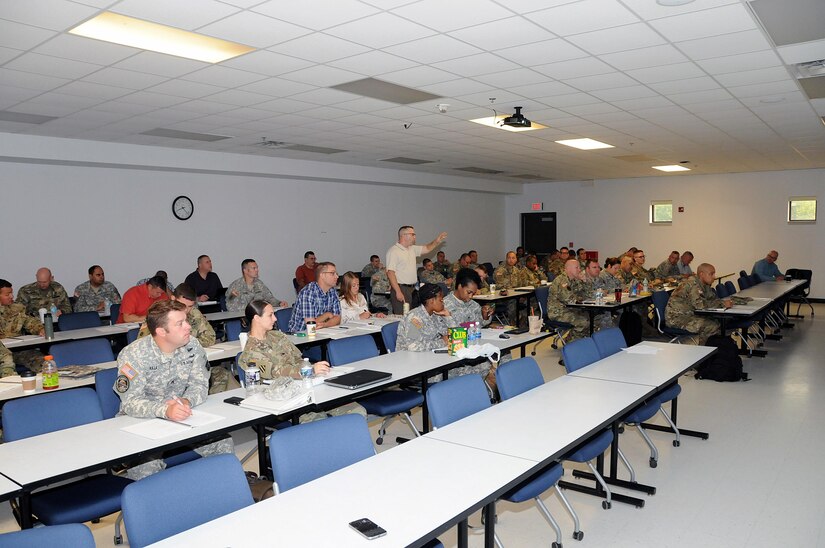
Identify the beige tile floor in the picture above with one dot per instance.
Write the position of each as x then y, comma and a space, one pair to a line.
756, 482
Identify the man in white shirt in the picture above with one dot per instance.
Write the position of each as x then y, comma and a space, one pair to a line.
401, 266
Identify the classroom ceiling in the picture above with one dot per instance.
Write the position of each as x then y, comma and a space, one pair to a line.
703, 83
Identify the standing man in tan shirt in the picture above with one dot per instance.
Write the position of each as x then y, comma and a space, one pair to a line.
401, 266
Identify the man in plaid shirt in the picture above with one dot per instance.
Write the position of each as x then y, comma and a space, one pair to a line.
318, 301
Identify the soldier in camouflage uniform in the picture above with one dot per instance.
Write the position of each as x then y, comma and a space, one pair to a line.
13, 322
548, 260
431, 276
425, 327
6, 362
556, 267
640, 272
533, 275
693, 294
248, 288
165, 376
463, 262
91, 296
568, 287
373, 267
625, 273
668, 267
509, 276
43, 293
380, 296
276, 356
608, 279
442, 264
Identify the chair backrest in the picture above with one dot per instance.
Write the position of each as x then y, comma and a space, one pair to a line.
580, 353
104, 388
114, 312
542, 292
801, 274
43, 413
78, 320
295, 285
730, 287
490, 269
754, 279
389, 333
609, 341
744, 282
743, 274
282, 316
233, 330
308, 451
660, 299
365, 287
351, 349
454, 399
75, 535
721, 291
518, 376
82, 352
131, 335
222, 301
183, 497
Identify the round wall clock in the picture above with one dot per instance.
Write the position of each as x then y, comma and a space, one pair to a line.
182, 207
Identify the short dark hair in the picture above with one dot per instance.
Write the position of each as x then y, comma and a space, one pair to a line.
157, 281
246, 262
610, 261
200, 257
588, 262
425, 262
158, 315
374, 257
466, 276
562, 248
685, 253
308, 253
405, 227
162, 274
254, 308
472, 251
482, 268
674, 251
521, 247
185, 292
464, 256
579, 250
4, 283
92, 268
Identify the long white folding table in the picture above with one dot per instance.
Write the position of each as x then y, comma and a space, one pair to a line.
95, 446
8, 488
402, 490
109, 331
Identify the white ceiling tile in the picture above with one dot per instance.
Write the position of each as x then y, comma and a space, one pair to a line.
182, 88
83, 49
803, 53
20, 36
593, 108
644, 57
125, 109
418, 76
653, 10
541, 53
162, 65
474, 65
621, 94
57, 102
266, 62
50, 14
563, 70
253, 30
238, 97
789, 97
628, 37
322, 76
569, 100
584, 16
217, 75
187, 14
373, 63
89, 89
320, 48
512, 78
701, 24
601, 81
503, 34
124, 78
51, 66
433, 49
205, 106
690, 84
316, 14
758, 76
699, 96
277, 87
528, 6
455, 88
380, 31
152, 99
770, 88
7, 54
726, 44
452, 15
740, 62
664, 73
323, 96
543, 89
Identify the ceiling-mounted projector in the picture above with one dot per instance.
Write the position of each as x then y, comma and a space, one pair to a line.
516, 120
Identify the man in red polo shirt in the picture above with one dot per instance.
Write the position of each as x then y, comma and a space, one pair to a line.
136, 302
306, 272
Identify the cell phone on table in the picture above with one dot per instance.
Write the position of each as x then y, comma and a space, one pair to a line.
234, 400
440, 351
368, 529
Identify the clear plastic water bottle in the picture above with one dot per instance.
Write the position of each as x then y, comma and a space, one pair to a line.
599, 296
473, 334
306, 373
53, 310
51, 380
107, 306
632, 289
645, 286
48, 325
252, 379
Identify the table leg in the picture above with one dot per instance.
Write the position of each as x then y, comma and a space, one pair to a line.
490, 525
25, 502
463, 537
673, 417
425, 412
592, 314
263, 465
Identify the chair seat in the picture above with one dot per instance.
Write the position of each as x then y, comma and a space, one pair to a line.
643, 412
391, 402
592, 448
536, 485
175, 459
676, 331
555, 324
64, 504
670, 393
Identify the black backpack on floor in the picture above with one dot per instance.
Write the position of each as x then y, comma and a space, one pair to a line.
631, 325
725, 365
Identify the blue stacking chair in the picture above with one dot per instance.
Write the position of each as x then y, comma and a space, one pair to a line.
387, 404
282, 318
660, 299
84, 500
460, 397
78, 320
114, 312
180, 498
744, 282
75, 535
82, 352
132, 335
730, 287
721, 291
389, 334
561, 329
233, 330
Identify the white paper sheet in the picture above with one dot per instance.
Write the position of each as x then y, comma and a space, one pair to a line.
641, 349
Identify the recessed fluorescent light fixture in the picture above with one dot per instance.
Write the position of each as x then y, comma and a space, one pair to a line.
584, 144
137, 33
671, 168
495, 121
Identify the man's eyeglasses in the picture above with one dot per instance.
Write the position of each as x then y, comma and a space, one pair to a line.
330, 272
